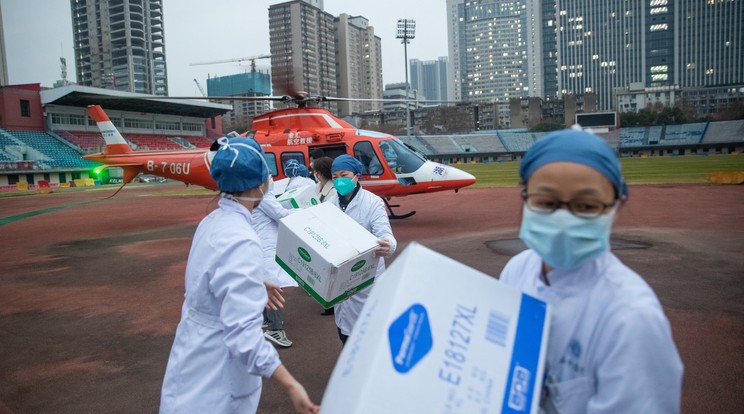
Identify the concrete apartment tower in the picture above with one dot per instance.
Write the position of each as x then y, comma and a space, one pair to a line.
119, 44
358, 64
303, 49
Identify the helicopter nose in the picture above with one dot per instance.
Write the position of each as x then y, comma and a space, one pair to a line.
460, 175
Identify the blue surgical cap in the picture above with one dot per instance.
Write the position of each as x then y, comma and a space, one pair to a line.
238, 165
574, 146
346, 163
293, 168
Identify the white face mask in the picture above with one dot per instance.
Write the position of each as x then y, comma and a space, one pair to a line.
255, 200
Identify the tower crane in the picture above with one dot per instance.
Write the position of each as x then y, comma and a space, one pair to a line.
240, 59
198, 85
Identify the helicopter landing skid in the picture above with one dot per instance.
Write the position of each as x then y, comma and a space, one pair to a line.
392, 214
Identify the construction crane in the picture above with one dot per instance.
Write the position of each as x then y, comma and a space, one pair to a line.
198, 85
241, 59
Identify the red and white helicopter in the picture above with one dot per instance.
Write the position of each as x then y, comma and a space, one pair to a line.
391, 168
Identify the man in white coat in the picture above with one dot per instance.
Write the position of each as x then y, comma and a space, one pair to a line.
368, 210
219, 353
610, 348
266, 222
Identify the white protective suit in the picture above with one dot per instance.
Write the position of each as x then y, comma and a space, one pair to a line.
368, 210
219, 353
300, 182
266, 223
610, 348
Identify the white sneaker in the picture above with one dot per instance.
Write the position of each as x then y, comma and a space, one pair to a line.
278, 337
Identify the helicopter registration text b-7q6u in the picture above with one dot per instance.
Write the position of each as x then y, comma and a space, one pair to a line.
391, 168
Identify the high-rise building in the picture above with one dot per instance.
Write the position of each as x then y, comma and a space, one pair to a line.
429, 77
245, 85
658, 46
491, 45
119, 44
711, 41
303, 48
358, 64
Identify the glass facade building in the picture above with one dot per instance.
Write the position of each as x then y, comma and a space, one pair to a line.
491, 45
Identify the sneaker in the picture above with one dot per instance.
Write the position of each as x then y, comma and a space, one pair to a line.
278, 337
265, 325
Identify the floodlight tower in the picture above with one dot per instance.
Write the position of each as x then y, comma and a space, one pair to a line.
406, 31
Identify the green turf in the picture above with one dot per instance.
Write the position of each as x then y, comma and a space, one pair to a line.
690, 169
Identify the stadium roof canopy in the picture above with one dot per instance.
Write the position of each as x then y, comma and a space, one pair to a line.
82, 96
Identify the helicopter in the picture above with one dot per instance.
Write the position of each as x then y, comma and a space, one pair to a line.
391, 168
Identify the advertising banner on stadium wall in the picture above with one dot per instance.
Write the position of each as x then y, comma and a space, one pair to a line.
17, 166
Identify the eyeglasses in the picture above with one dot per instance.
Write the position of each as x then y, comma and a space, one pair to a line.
588, 208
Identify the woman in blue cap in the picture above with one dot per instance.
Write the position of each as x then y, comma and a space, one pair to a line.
219, 353
610, 348
368, 210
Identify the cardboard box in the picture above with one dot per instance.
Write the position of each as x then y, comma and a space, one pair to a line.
301, 197
436, 336
328, 253
280, 186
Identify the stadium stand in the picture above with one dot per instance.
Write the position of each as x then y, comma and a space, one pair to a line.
418, 144
612, 137
57, 153
483, 142
6, 141
85, 140
152, 142
182, 141
441, 144
724, 131
633, 137
199, 142
654, 134
685, 134
517, 141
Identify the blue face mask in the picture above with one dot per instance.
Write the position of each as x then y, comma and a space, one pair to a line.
344, 185
563, 240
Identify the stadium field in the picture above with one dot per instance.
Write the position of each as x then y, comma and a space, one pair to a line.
689, 169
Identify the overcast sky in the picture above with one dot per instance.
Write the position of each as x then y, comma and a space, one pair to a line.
39, 32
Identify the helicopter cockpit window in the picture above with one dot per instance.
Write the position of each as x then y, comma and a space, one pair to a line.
271, 162
399, 157
286, 156
371, 164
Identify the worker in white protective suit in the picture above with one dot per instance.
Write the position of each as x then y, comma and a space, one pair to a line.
610, 348
219, 353
266, 223
298, 175
368, 210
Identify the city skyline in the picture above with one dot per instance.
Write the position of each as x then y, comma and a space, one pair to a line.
233, 29
597, 49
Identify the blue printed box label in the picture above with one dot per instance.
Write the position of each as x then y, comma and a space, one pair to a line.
410, 338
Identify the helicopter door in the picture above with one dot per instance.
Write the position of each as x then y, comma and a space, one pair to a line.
332, 151
371, 164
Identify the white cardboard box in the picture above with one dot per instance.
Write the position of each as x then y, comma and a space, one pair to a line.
328, 253
300, 197
436, 336
280, 186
